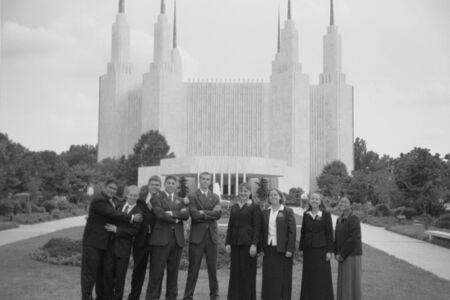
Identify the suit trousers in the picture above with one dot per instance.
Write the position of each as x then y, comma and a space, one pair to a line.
92, 262
164, 256
115, 273
196, 251
140, 258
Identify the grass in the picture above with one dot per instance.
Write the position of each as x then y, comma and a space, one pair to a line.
417, 231
384, 277
8, 225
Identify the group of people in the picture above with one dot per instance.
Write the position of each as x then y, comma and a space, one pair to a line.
150, 225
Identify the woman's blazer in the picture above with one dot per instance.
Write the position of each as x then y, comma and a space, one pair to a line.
286, 230
317, 233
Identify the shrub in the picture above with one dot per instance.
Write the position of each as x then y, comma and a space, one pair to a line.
443, 221
6, 207
382, 210
50, 205
37, 209
60, 251
408, 212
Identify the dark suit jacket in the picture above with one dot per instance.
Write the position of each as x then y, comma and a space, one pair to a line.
123, 237
348, 236
286, 230
164, 223
101, 211
244, 226
142, 237
207, 221
317, 233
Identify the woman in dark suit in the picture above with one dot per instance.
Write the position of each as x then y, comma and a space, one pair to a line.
316, 242
279, 232
243, 233
348, 251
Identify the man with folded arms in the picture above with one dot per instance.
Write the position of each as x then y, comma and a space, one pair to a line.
205, 210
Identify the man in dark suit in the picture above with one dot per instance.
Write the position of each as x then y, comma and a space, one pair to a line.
141, 246
118, 255
167, 240
205, 210
96, 239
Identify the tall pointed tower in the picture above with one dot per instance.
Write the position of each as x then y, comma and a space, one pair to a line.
331, 108
289, 109
163, 103
115, 87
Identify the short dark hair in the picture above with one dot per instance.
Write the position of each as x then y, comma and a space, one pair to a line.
154, 178
111, 180
170, 177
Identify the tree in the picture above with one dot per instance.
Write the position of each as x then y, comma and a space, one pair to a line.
183, 189
150, 149
295, 196
263, 189
334, 180
80, 154
419, 176
369, 161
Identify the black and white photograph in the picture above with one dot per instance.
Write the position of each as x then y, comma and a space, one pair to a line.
225, 149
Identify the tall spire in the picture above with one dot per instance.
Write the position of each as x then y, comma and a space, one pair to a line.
163, 7
175, 25
289, 10
121, 6
331, 14
278, 37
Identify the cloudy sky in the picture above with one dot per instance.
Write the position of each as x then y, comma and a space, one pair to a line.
396, 53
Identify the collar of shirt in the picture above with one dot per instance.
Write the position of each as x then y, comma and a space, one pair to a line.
318, 214
130, 207
279, 208
204, 193
168, 195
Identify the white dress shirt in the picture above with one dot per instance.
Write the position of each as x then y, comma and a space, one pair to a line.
319, 214
127, 208
272, 238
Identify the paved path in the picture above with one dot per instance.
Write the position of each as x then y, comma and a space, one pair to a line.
28, 231
429, 257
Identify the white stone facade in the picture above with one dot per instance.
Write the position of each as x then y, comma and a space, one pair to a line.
285, 130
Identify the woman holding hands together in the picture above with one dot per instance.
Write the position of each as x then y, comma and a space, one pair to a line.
279, 232
316, 242
242, 238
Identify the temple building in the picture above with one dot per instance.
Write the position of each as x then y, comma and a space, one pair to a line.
285, 130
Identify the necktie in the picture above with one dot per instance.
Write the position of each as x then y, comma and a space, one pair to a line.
127, 207
171, 198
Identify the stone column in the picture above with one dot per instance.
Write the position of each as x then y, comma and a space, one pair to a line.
229, 184
221, 183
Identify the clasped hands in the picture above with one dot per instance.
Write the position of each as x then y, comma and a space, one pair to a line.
252, 250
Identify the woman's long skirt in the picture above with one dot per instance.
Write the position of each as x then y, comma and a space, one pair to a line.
349, 279
277, 275
242, 284
316, 276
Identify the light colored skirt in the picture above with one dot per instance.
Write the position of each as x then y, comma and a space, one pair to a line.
349, 279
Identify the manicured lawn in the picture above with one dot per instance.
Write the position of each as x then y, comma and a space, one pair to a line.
417, 231
384, 277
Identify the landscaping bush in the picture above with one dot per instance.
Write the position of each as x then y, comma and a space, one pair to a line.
382, 210
60, 251
408, 212
50, 205
37, 209
443, 221
6, 207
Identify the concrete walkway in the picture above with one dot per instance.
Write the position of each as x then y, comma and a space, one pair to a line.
421, 254
28, 231
426, 256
